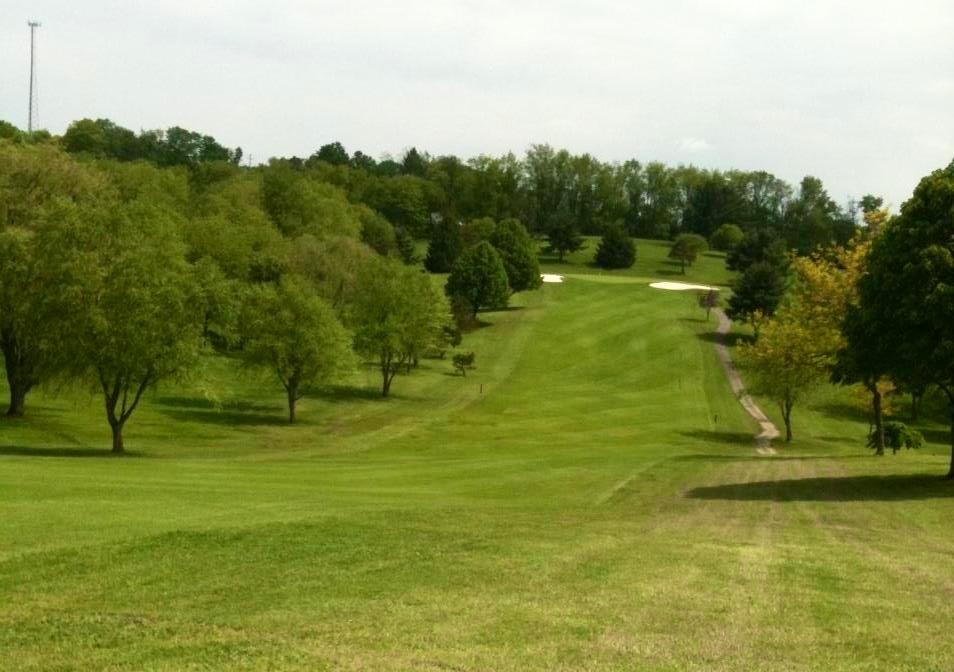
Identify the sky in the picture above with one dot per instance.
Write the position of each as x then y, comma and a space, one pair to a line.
859, 94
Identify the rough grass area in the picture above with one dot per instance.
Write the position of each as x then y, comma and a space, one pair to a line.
588, 498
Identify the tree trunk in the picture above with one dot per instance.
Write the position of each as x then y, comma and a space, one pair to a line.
17, 401
787, 417
292, 399
19, 379
950, 470
878, 419
916, 405
386, 375
118, 447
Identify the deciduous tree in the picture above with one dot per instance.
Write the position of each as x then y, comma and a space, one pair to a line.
783, 365
130, 297
726, 237
906, 300
398, 315
686, 248
479, 276
288, 329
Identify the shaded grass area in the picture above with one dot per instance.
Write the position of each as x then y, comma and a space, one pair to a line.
587, 499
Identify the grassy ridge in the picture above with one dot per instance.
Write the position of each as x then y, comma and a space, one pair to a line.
588, 499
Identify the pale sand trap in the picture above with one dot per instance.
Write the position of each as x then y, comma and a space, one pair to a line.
550, 277
679, 286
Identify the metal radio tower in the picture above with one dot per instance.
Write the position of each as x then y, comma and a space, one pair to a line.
34, 107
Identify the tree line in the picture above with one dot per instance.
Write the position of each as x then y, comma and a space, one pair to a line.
122, 274
877, 313
553, 192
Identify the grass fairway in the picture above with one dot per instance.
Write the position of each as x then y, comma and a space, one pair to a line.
588, 499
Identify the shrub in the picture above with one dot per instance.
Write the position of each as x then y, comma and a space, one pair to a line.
726, 237
897, 435
463, 361
616, 249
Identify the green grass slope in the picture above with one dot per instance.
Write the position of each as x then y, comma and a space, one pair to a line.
587, 499
652, 263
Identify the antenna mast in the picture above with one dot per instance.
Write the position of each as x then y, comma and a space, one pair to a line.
34, 111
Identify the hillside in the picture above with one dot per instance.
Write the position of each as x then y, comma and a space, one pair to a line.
587, 498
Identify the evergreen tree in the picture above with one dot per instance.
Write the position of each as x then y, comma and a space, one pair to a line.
616, 249
518, 253
444, 247
757, 294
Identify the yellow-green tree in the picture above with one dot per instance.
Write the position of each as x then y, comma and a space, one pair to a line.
784, 365
798, 346
823, 287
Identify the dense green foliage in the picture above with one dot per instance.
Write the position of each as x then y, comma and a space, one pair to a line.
616, 248
116, 274
398, 316
518, 252
756, 294
726, 237
101, 138
897, 435
902, 325
479, 277
444, 247
128, 297
294, 334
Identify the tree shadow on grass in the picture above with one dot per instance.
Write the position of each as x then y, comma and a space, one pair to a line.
731, 339
215, 416
553, 260
843, 411
34, 451
237, 412
504, 309
941, 436
201, 403
344, 393
670, 271
832, 489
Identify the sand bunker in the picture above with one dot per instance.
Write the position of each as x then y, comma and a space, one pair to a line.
679, 286
550, 277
